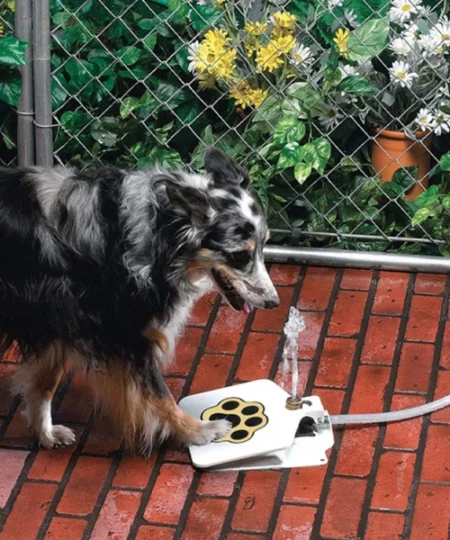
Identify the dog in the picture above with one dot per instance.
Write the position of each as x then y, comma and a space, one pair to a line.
99, 271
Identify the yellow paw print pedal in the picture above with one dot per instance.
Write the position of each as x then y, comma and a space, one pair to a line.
264, 433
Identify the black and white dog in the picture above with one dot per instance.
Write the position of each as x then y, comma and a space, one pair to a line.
99, 271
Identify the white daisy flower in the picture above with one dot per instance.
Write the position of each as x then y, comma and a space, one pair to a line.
331, 119
441, 32
425, 119
348, 71
401, 47
430, 44
365, 68
434, 61
425, 12
301, 55
441, 124
192, 56
402, 10
401, 75
334, 3
350, 17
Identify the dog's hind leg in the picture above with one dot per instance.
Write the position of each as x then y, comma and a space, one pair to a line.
144, 409
37, 382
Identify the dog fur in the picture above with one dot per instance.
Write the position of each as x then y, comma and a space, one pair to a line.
99, 271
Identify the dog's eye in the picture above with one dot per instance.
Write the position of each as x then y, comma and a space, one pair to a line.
238, 257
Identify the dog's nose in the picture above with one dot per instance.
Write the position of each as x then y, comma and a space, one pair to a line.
271, 304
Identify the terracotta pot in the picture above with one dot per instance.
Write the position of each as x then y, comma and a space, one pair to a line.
392, 150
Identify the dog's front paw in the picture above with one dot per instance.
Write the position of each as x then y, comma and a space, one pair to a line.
59, 436
210, 431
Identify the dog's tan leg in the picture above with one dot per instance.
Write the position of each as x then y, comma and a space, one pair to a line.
37, 381
145, 409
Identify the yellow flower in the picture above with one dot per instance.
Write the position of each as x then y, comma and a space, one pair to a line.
206, 81
341, 40
256, 28
217, 37
278, 31
285, 43
213, 56
241, 93
283, 19
258, 96
269, 58
2, 30
220, 3
252, 44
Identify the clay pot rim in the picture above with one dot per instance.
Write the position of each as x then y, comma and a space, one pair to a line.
400, 135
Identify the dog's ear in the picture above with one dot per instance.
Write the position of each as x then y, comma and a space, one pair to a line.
224, 171
189, 202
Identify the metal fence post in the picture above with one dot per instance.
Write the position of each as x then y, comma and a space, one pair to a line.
25, 113
42, 83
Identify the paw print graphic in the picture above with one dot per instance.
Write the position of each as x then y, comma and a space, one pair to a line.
246, 417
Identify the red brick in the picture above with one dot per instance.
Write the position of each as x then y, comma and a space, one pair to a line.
343, 508
84, 486
335, 362
305, 485
308, 339
175, 385
295, 522
380, 340
445, 351
415, 367
77, 404
316, 288
226, 331
348, 313
218, 484
431, 513
176, 480
116, 515
284, 274
435, 461
155, 533
202, 309
404, 435
384, 526
356, 451
273, 320
186, 349
423, 318
17, 433
391, 293
104, 438
28, 511
393, 481
369, 390
256, 500
356, 280
286, 382
12, 462
331, 399
433, 284
257, 357
243, 536
67, 528
174, 453
205, 519
51, 464
442, 389
212, 373
6, 373
134, 472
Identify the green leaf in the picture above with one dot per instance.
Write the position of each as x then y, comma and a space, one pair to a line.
150, 41
12, 51
420, 216
428, 198
104, 132
358, 86
368, 40
302, 172
445, 162
59, 95
128, 105
405, 177
129, 55
317, 153
290, 156
171, 95
10, 89
310, 101
203, 17
446, 202
180, 10
289, 129
269, 112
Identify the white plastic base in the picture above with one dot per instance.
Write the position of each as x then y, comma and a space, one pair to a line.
266, 434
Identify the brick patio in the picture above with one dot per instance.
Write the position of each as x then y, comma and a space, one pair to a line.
374, 341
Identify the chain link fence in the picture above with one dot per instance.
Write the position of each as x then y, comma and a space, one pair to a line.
339, 109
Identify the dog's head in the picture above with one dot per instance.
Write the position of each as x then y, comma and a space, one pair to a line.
231, 232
